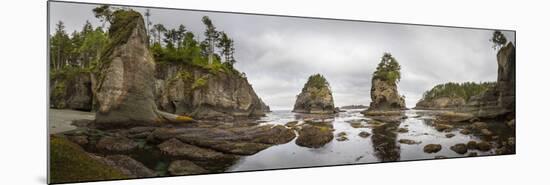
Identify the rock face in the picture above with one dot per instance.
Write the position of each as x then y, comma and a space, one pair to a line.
441, 103
384, 96
499, 100
125, 83
316, 97
71, 91
203, 94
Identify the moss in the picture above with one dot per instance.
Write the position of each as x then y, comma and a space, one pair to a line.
70, 163
199, 83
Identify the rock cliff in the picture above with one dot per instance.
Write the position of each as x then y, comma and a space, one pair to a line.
204, 94
71, 90
441, 103
316, 97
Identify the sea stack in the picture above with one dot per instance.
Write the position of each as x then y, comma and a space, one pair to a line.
316, 97
383, 92
124, 82
499, 100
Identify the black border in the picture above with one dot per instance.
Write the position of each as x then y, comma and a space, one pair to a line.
242, 13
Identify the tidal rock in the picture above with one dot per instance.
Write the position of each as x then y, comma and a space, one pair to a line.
472, 154
480, 125
314, 136
291, 124
450, 135
316, 97
484, 146
432, 148
402, 130
472, 145
442, 127
459, 148
465, 131
185, 167
79, 139
409, 142
116, 144
177, 149
364, 134
486, 132
131, 167
342, 136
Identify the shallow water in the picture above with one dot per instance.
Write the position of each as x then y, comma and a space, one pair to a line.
356, 149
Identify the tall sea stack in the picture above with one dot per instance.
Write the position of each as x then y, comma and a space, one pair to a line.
316, 97
500, 100
383, 92
124, 82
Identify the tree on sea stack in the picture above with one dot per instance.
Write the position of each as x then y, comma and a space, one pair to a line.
498, 39
316, 97
384, 94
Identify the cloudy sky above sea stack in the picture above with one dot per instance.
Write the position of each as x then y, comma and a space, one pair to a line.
279, 53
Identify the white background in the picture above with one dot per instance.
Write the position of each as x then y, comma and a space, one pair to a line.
23, 91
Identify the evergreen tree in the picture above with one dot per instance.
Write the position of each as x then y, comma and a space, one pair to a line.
388, 69
498, 39
211, 37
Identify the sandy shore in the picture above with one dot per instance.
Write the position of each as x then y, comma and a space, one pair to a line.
60, 119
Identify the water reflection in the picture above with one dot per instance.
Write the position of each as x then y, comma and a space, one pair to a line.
384, 141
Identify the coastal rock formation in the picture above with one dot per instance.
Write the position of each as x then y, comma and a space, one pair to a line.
203, 94
316, 97
125, 82
71, 90
441, 103
384, 96
500, 100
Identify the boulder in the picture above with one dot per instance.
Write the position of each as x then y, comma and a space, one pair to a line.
185, 167
316, 97
472, 145
459, 148
409, 142
364, 134
131, 167
484, 146
116, 144
432, 148
177, 149
314, 136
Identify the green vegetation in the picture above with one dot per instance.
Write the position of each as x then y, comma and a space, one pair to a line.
498, 39
464, 90
86, 51
200, 82
388, 69
70, 163
317, 80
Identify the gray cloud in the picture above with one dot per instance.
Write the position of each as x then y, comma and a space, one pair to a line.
279, 53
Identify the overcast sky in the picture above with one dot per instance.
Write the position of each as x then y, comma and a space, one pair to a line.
279, 53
